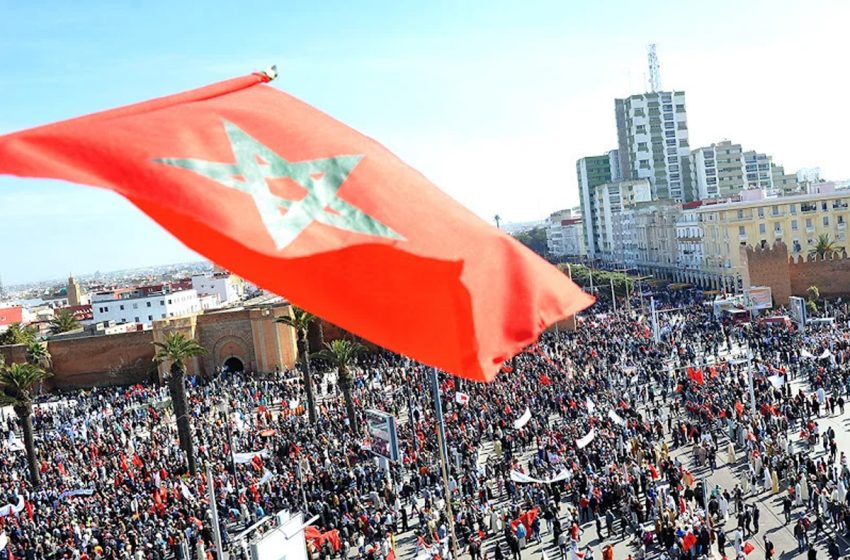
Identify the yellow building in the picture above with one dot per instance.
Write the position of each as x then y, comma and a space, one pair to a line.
797, 220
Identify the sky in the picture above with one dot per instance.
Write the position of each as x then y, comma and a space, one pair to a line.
492, 100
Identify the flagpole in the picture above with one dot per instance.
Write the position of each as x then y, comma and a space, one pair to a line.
444, 461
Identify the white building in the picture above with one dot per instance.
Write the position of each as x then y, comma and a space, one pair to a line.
652, 133
689, 236
222, 285
609, 227
565, 234
142, 307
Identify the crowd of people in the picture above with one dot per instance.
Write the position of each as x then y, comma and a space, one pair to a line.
587, 439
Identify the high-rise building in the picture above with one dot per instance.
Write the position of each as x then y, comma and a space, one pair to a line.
591, 172
724, 169
75, 295
652, 133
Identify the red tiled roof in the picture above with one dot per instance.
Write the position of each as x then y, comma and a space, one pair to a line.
9, 315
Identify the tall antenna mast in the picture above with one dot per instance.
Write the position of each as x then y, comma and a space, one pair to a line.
654, 70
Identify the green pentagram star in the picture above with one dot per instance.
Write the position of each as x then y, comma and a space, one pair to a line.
322, 178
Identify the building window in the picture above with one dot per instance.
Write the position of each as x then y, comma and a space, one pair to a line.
792, 208
135, 306
642, 147
826, 220
761, 212
794, 225
742, 231
162, 302
823, 206
740, 214
762, 228
644, 164
808, 223
163, 316
169, 302
150, 317
149, 304
122, 307
774, 210
137, 319
777, 228
106, 309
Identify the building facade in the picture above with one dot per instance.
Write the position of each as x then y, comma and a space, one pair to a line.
565, 233
725, 169
143, 308
592, 171
652, 133
611, 201
224, 286
757, 220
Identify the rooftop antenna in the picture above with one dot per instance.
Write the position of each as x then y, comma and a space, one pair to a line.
654, 70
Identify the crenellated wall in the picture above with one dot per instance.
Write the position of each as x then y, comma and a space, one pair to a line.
789, 275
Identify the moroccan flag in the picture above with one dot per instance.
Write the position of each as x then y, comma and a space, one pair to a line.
748, 547
545, 379
302, 205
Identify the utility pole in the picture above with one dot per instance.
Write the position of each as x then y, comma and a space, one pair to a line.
613, 296
655, 334
444, 461
750, 380
214, 514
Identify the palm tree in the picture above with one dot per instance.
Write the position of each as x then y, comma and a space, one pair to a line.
38, 355
16, 383
18, 334
824, 246
300, 320
176, 349
341, 354
498, 220
63, 321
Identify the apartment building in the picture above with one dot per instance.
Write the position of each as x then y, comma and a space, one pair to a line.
610, 226
652, 133
797, 220
565, 233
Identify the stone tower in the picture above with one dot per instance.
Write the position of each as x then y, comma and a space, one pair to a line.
74, 292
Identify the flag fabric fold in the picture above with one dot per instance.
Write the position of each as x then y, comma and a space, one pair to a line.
306, 207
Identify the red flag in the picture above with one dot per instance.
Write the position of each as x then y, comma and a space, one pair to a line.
545, 379
739, 407
282, 194
748, 547
696, 376
689, 541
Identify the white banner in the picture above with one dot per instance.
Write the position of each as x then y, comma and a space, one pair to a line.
186, 493
461, 398
590, 406
242, 458
13, 508
267, 476
581, 443
522, 420
806, 354
776, 381
563, 474
616, 418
